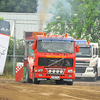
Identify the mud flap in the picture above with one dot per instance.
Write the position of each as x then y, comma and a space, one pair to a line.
19, 72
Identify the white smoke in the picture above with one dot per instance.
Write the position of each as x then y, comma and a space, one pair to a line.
50, 6
42, 9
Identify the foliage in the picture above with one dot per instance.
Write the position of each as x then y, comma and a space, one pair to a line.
10, 47
60, 17
87, 22
9, 61
1, 18
22, 6
19, 47
84, 21
8, 70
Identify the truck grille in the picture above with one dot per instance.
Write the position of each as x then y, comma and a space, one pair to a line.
55, 62
82, 63
80, 69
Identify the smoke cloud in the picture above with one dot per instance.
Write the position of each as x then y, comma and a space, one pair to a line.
55, 7
42, 10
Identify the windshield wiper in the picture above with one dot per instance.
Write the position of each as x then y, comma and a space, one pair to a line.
55, 51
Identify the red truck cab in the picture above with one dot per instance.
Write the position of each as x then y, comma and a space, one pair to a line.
54, 59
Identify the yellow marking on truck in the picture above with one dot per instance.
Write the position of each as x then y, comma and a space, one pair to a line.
55, 56
63, 56
48, 56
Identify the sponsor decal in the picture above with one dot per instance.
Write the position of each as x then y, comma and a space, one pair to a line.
2, 50
49, 56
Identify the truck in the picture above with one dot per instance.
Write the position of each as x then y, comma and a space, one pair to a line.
54, 59
87, 60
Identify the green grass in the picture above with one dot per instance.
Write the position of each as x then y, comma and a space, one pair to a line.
6, 76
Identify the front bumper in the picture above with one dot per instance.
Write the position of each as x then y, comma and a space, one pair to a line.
85, 72
54, 77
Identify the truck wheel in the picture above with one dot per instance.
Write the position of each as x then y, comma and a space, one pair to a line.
35, 79
95, 78
69, 83
59, 81
28, 80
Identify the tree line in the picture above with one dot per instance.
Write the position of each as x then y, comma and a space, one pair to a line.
83, 21
82, 17
20, 6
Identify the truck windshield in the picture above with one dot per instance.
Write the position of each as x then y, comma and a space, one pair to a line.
84, 51
56, 46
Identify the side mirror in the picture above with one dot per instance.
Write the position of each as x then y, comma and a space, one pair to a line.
33, 47
96, 51
77, 48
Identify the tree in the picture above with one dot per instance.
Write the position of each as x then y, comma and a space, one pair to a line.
19, 51
10, 47
84, 21
87, 22
60, 17
1, 18
22, 6
19, 48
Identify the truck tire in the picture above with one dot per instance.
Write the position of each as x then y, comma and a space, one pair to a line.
59, 81
95, 78
28, 80
69, 83
35, 79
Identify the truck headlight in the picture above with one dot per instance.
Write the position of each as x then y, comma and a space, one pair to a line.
70, 71
53, 71
61, 71
40, 70
57, 71
90, 70
49, 71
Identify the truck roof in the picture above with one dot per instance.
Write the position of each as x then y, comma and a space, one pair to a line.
83, 43
95, 44
55, 39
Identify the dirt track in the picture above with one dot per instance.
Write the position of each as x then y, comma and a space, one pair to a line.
11, 90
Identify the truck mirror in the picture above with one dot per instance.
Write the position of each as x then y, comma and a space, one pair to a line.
93, 51
33, 47
96, 51
77, 48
